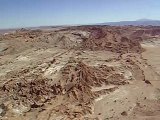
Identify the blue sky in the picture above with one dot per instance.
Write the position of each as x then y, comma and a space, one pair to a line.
23, 13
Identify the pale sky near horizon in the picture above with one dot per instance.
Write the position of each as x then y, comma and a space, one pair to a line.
28, 13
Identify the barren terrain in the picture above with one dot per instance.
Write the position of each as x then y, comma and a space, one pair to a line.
80, 73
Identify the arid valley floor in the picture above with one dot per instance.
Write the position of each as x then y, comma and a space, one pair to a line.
80, 73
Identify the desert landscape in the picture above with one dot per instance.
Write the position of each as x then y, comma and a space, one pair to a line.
94, 72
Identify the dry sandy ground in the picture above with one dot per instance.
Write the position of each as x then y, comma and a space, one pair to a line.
136, 101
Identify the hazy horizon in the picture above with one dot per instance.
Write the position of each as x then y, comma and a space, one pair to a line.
29, 13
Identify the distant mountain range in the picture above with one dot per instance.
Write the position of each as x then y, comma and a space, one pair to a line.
140, 22
144, 22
